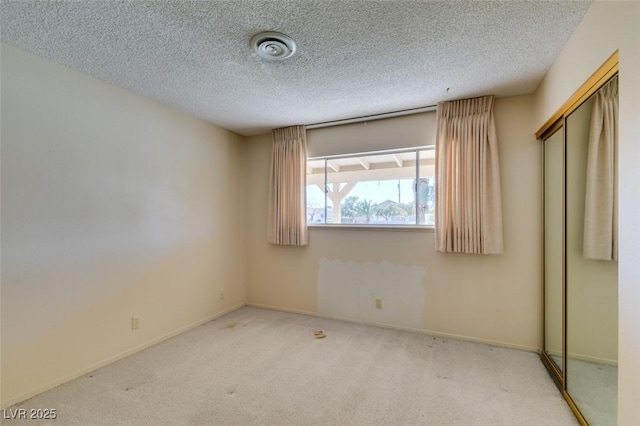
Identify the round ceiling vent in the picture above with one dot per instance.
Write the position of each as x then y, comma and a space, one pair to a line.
272, 45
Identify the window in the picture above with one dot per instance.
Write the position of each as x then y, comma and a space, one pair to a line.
392, 188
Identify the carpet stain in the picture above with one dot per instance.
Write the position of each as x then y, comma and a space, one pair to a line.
319, 334
231, 325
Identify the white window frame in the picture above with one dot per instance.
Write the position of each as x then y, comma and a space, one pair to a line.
328, 158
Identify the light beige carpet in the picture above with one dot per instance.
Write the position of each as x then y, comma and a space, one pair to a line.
255, 366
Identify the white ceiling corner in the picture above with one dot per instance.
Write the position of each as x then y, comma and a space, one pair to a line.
354, 58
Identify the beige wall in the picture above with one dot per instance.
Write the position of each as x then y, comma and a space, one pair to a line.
486, 298
112, 206
606, 27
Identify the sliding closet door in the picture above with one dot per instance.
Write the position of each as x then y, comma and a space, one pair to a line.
554, 247
591, 289
580, 247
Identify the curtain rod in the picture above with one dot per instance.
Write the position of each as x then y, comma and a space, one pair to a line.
372, 117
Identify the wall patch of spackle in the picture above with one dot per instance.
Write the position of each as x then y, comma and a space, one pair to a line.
349, 290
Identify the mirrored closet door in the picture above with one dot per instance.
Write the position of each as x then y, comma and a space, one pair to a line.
554, 250
580, 250
591, 264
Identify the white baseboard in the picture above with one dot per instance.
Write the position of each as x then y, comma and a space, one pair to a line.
593, 359
395, 327
586, 358
114, 358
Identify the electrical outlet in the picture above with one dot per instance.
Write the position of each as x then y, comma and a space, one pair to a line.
378, 303
222, 295
135, 322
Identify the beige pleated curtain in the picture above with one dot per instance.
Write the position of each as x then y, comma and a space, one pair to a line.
468, 192
287, 187
601, 215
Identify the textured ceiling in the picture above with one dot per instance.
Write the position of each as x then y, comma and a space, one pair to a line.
354, 57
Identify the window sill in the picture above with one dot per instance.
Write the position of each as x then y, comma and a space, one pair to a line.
403, 228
